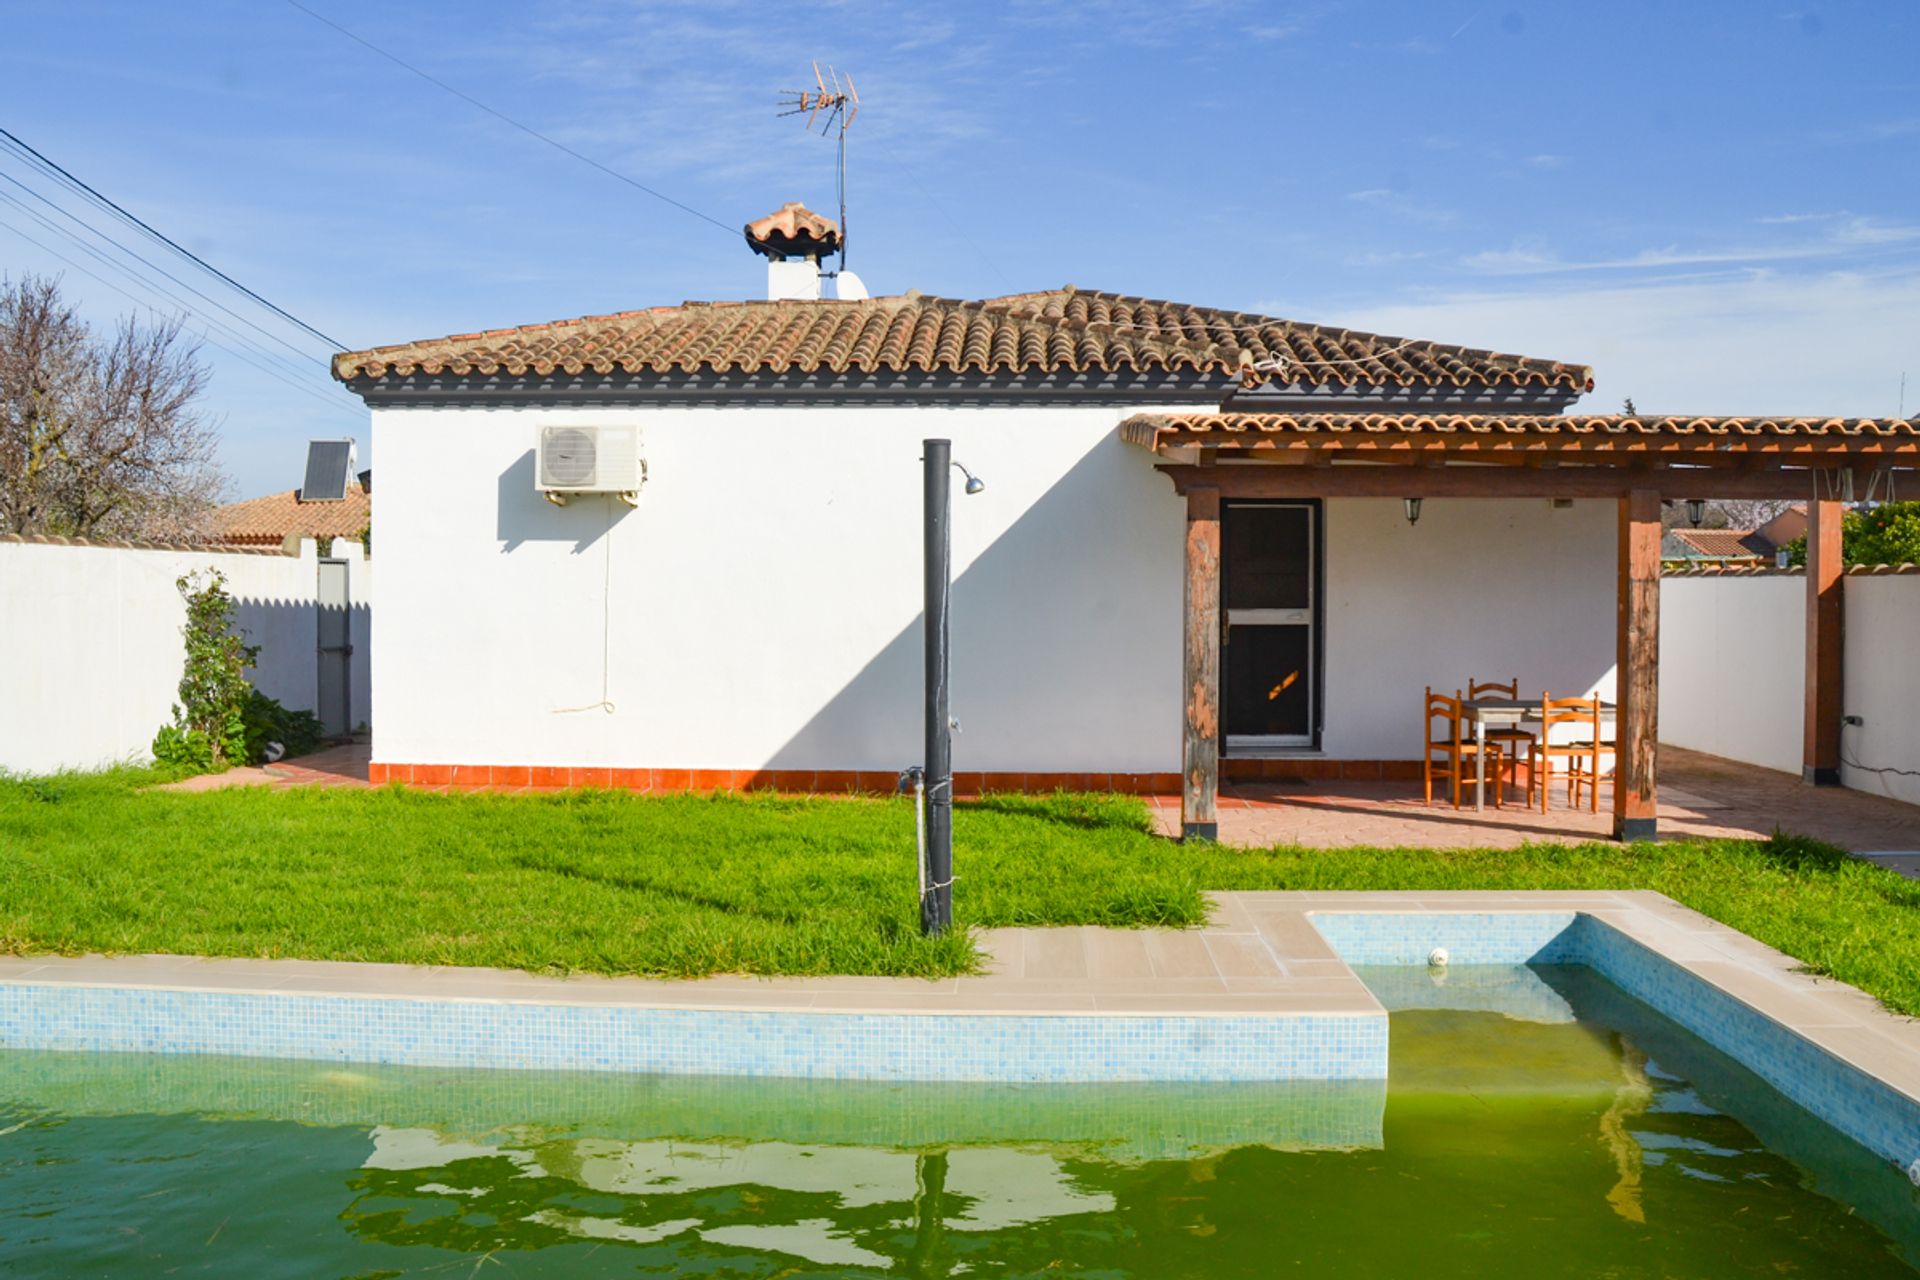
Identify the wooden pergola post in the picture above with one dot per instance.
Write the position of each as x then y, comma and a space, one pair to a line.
1637, 668
1200, 669
1820, 761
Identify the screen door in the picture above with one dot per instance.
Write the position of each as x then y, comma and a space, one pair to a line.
1269, 651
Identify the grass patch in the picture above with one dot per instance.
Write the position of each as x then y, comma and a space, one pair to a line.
605, 882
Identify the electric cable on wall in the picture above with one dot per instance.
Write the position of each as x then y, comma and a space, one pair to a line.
606, 622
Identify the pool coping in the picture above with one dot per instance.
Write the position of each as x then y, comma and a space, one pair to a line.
1260, 958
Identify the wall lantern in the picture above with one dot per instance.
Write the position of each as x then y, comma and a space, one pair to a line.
1696, 511
1413, 511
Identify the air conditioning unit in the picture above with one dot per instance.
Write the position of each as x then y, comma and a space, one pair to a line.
574, 460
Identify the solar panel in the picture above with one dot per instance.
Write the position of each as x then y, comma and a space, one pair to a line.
329, 464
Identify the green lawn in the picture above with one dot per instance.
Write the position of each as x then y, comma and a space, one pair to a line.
611, 883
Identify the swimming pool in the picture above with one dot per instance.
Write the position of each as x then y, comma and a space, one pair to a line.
1534, 1119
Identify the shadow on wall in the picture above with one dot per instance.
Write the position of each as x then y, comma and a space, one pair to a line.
288, 666
1054, 627
525, 515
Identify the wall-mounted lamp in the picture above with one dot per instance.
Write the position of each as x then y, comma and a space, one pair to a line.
1413, 511
974, 483
1696, 511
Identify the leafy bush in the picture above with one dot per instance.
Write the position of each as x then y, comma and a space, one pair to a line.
221, 720
209, 726
299, 732
183, 750
1886, 534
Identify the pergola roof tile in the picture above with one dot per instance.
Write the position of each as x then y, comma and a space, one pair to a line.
1535, 425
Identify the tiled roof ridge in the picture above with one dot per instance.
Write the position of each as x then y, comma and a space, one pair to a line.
1523, 424
141, 544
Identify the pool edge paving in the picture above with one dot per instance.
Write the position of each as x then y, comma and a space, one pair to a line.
1265, 992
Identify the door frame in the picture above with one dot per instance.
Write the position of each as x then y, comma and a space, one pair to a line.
1316, 631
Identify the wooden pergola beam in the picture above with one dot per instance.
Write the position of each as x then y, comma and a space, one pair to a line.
1200, 669
1637, 669
1821, 721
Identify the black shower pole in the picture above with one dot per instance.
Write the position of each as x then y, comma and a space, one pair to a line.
936, 902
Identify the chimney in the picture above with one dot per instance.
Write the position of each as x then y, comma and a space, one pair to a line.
793, 239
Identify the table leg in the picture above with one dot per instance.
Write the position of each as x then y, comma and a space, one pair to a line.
1479, 764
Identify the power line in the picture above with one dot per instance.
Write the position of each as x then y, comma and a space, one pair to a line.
70, 216
170, 243
238, 355
502, 116
126, 272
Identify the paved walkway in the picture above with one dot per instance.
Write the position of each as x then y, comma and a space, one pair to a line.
1700, 795
344, 765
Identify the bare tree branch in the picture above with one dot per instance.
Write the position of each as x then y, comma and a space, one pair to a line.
100, 436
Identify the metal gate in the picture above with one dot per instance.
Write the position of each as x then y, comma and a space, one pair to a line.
333, 614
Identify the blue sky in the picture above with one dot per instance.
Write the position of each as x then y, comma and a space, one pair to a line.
1717, 204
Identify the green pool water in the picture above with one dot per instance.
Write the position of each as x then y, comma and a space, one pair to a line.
1545, 1125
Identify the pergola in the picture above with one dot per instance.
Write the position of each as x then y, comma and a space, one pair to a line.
1640, 463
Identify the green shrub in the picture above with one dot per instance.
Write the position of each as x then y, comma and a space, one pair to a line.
267, 721
1886, 534
209, 725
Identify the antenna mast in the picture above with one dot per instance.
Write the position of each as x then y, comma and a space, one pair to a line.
834, 105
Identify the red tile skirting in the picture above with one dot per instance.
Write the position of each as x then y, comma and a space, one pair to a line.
477, 777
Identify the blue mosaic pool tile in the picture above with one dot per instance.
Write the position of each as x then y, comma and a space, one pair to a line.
844, 1046
1873, 1114
1470, 937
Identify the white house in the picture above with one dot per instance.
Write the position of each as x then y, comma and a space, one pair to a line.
753, 616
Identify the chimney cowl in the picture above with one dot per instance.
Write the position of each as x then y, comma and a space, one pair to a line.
793, 231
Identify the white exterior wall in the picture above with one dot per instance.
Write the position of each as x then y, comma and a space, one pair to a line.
1882, 662
1733, 673
1733, 655
764, 610
90, 639
1478, 589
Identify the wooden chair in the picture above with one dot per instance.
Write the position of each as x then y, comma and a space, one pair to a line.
1456, 752
1515, 742
1585, 714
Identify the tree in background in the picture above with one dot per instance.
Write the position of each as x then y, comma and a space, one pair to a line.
100, 435
1885, 534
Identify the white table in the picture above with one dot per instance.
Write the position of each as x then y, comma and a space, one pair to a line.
1502, 713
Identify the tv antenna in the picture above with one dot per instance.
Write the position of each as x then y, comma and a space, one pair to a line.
833, 104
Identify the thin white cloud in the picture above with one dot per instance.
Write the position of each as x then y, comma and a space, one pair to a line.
1403, 206
1829, 343
1546, 161
1840, 235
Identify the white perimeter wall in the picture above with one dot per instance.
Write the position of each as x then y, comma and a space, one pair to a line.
1733, 667
1733, 673
1882, 665
761, 607
91, 646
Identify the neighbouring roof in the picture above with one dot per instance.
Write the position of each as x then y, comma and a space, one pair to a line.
1146, 429
793, 231
1720, 544
270, 520
1060, 331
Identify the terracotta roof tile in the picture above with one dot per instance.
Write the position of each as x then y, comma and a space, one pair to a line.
1142, 427
1723, 544
1057, 332
268, 520
1292, 353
